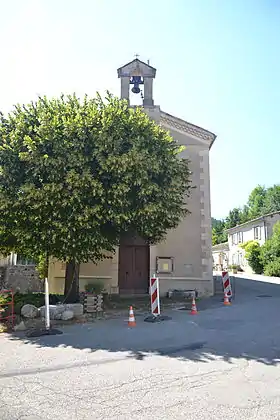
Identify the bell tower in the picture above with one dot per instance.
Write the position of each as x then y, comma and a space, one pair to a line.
137, 75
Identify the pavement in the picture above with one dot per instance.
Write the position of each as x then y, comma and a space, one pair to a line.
220, 364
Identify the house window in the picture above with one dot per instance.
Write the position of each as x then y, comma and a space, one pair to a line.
240, 237
22, 260
240, 259
257, 232
235, 239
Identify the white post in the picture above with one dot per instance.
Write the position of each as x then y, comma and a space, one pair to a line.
158, 296
47, 305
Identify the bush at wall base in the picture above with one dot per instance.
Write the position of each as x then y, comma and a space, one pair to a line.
273, 268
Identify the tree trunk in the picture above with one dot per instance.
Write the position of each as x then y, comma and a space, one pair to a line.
71, 287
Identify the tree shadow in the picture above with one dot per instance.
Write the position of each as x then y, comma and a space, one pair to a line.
247, 330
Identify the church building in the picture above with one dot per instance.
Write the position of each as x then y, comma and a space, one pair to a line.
184, 260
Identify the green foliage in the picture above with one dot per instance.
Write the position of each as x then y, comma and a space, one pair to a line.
214, 222
4, 298
42, 266
256, 202
263, 201
5, 307
270, 253
253, 255
234, 218
245, 214
75, 174
272, 200
218, 232
271, 248
273, 268
215, 240
95, 287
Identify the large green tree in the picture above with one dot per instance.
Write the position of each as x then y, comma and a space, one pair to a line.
234, 218
256, 202
272, 200
218, 231
76, 174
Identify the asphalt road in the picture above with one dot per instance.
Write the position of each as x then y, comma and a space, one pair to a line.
220, 364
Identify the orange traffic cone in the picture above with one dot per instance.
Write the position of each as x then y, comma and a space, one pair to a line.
226, 300
131, 318
194, 309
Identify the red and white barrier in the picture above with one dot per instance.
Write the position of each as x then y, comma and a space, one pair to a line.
226, 283
154, 291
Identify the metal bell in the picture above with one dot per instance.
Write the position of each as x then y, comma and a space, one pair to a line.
136, 80
135, 88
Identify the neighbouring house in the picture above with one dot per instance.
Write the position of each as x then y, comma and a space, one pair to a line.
259, 229
19, 274
220, 256
14, 259
183, 260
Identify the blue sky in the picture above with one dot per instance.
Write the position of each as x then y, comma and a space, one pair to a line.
218, 66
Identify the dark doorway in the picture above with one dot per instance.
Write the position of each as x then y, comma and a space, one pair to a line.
134, 264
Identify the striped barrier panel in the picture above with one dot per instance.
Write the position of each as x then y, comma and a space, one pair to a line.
226, 283
154, 291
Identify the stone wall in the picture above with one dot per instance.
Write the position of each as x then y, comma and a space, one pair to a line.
2, 277
21, 278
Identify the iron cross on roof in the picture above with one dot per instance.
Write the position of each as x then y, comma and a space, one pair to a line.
136, 56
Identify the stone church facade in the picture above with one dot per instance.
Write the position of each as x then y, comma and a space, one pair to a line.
184, 259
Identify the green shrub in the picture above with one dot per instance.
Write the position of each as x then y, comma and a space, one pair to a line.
95, 287
273, 268
4, 304
271, 249
4, 298
253, 255
255, 262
